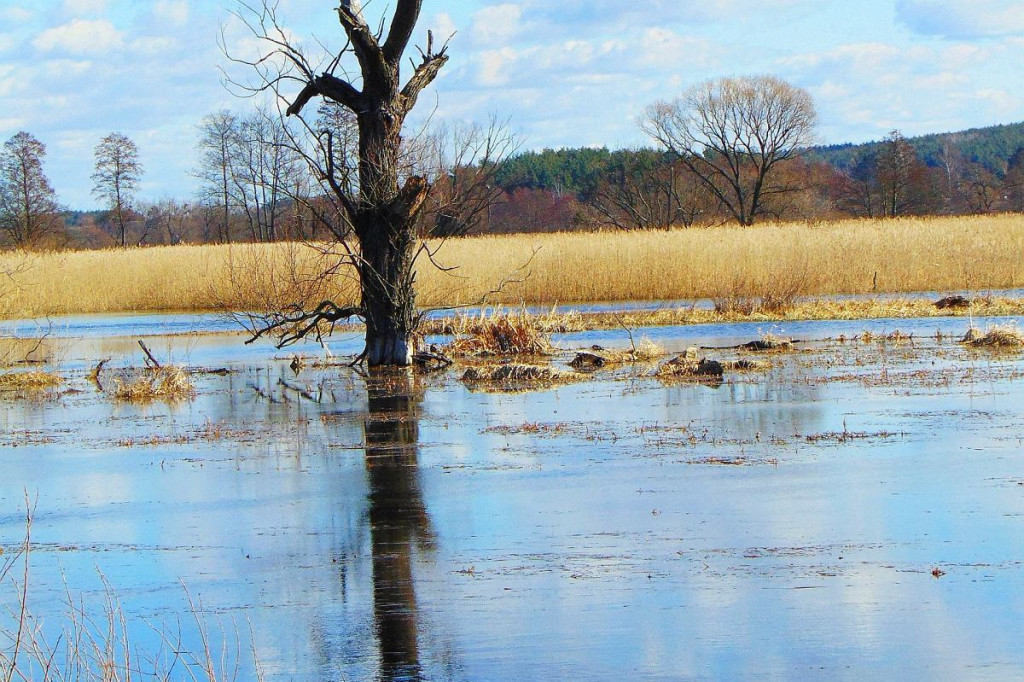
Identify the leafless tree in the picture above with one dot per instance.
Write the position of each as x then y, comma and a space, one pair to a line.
904, 181
649, 193
732, 133
1013, 182
116, 178
372, 190
168, 220
462, 161
28, 205
982, 189
264, 170
217, 134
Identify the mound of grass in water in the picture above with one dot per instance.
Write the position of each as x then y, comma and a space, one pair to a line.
500, 333
29, 381
1000, 336
158, 383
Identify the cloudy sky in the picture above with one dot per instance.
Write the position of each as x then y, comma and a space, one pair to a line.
566, 72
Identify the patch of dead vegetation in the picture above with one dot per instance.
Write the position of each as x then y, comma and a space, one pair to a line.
691, 366
597, 357
517, 377
502, 333
29, 381
999, 336
846, 436
166, 382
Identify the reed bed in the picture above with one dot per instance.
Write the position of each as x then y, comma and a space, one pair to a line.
754, 270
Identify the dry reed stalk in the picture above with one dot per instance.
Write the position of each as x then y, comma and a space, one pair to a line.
156, 383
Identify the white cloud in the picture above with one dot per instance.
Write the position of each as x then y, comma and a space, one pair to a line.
494, 66
174, 12
80, 8
962, 18
80, 36
15, 14
443, 26
151, 46
663, 46
496, 25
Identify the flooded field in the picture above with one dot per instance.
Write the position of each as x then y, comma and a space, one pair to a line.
852, 509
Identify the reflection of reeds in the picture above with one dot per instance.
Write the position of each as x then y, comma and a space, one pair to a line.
773, 263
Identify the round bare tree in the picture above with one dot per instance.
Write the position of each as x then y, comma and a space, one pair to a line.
733, 133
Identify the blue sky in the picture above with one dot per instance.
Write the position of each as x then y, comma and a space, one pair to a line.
566, 72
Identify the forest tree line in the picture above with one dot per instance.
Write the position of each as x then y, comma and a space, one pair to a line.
252, 187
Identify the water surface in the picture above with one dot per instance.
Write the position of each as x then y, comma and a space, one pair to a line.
787, 524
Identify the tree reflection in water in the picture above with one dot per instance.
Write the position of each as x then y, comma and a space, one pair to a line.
397, 516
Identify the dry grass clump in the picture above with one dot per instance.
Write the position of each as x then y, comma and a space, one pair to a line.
29, 381
500, 333
691, 366
517, 377
166, 382
999, 336
645, 351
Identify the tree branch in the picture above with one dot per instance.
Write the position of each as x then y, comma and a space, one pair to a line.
402, 24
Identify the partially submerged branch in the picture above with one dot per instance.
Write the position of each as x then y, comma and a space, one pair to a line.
291, 326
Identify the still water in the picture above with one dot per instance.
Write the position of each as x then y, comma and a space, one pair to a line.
853, 512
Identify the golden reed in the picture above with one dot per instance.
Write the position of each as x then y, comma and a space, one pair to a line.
856, 256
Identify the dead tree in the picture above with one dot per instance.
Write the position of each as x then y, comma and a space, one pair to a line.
382, 211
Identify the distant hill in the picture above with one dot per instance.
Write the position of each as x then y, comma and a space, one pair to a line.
992, 147
578, 170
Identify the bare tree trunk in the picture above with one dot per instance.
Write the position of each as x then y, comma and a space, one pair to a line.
382, 213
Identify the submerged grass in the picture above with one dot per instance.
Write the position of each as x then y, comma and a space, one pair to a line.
758, 271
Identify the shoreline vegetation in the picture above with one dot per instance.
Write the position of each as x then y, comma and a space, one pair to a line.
769, 272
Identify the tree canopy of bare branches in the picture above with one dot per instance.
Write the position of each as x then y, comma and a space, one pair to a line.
732, 133
374, 184
28, 205
116, 178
